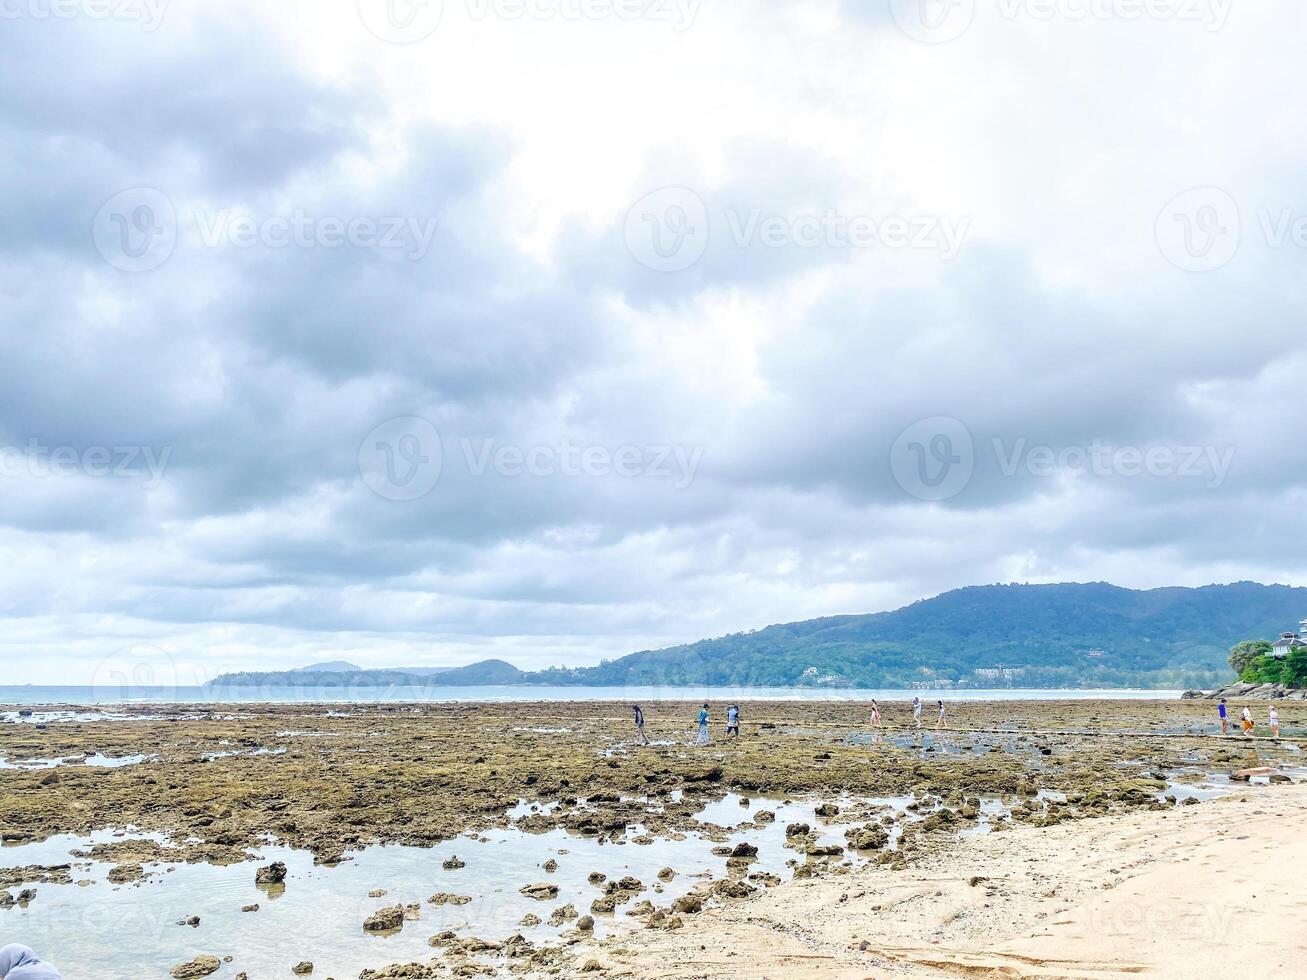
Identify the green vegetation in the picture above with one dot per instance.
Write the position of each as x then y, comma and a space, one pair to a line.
1262, 668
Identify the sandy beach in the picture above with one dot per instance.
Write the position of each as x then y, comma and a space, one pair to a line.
1055, 838
1201, 891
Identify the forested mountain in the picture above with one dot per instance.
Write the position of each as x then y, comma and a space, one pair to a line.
1052, 635
1070, 635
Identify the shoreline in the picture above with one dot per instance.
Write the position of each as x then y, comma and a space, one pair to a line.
374, 797
1112, 896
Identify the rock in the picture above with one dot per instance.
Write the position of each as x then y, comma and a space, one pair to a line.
193, 921
764, 816
586, 923
531, 919
606, 904
273, 874
828, 810
201, 966
452, 863
666, 874
824, 850
868, 838
377, 893
596, 877
539, 891
125, 873
626, 885
591, 966
385, 920
447, 898
744, 850
250, 908
302, 969
1192, 695
688, 904
551, 865
797, 829
564, 913
732, 888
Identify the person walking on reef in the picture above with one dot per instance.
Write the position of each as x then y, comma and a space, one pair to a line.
703, 725
916, 711
940, 723
1275, 722
1225, 722
733, 720
1247, 722
875, 721
639, 723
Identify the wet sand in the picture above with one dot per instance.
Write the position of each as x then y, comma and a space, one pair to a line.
1008, 781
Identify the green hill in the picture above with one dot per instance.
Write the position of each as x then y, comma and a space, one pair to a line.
1054, 635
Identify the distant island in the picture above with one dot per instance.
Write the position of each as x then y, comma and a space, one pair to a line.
1066, 635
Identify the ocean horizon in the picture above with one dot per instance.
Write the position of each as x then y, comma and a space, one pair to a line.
30, 695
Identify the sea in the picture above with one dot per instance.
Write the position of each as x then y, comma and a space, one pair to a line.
20, 695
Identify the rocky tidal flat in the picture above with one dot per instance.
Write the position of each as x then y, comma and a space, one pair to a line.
512, 838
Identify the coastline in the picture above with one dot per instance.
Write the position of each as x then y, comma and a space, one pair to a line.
165, 812
1192, 892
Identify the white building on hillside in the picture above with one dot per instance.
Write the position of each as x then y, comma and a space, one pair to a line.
1290, 641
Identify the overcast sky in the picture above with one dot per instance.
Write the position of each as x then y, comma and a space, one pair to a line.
556, 329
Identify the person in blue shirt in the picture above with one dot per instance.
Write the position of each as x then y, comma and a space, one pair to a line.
1225, 722
703, 725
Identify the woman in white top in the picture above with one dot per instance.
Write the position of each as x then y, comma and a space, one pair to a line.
1275, 723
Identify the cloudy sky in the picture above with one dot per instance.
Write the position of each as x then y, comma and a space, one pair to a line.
417, 333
